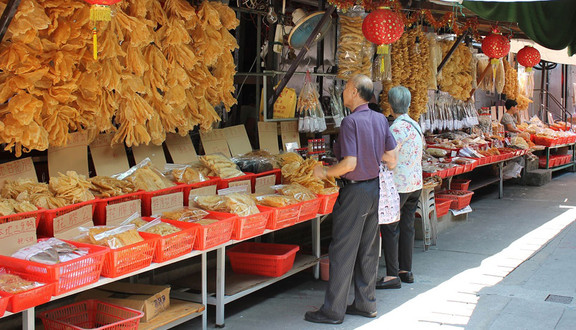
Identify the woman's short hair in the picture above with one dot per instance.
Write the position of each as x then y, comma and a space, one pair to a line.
399, 98
510, 103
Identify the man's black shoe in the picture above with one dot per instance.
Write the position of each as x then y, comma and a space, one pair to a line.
351, 310
319, 317
390, 284
406, 277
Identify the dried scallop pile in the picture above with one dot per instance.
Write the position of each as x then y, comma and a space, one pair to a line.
162, 67
411, 70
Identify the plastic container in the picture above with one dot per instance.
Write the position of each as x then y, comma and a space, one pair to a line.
281, 217
101, 203
172, 245
248, 226
277, 177
129, 258
91, 314
31, 298
264, 259
208, 236
460, 198
37, 215
442, 206
327, 204
309, 209
189, 187
68, 275
46, 226
147, 197
459, 184
4, 300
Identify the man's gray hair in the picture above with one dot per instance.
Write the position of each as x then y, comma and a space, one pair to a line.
399, 98
364, 86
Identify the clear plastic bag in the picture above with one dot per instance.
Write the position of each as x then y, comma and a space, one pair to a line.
275, 200
50, 252
295, 190
113, 237
354, 51
336, 104
253, 164
236, 203
183, 174
145, 176
221, 165
186, 214
12, 283
158, 227
310, 115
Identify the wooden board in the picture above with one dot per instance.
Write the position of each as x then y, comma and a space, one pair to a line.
236, 283
177, 310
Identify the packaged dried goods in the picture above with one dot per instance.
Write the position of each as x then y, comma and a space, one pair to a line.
188, 214
274, 200
222, 166
145, 176
236, 203
51, 251
296, 191
105, 186
183, 174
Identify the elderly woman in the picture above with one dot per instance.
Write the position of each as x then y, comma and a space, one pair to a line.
398, 237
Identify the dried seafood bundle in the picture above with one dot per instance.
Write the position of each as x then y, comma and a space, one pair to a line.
302, 173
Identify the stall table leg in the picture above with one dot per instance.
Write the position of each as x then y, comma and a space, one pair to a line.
316, 243
28, 319
220, 285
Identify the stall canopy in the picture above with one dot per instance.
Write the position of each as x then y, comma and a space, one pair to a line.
549, 23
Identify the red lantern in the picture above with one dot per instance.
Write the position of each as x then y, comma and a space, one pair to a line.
495, 45
100, 11
528, 57
382, 27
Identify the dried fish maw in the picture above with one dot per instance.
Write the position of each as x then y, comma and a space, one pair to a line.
23, 107
31, 136
175, 95
157, 133
157, 14
168, 117
135, 61
209, 114
63, 93
227, 15
228, 40
177, 76
174, 33
63, 67
138, 28
180, 8
89, 86
156, 76
61, 35
208, 15
110, 77
58, 123
138, 8
17, 55
106, 108
130, 84
110, 45
183, 54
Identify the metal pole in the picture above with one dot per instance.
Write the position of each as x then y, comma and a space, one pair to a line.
7, 16
452, 50
300, 56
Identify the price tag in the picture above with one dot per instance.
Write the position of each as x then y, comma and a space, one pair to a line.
66, 224
154, 152
167, 202
241, 183
116, 213
264, 183
289, 133
268, 137
73, 156
181, 149
15, 235
108, 158
215, 142
237, 140
18, 169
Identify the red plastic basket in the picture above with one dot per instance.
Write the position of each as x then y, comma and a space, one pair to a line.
309, 209
247, 226
189, 187
276, 172
101, 203
214, 234
225, 183
4, 300
459, 184
262, 258
129, 258
460, 198
148, 195
31, 298
172, 245
327, 204
38, 214
69, 275
91, 314
459, 169
442, 206
46, 225
281, 217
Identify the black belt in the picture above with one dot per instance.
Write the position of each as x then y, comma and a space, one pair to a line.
347, 181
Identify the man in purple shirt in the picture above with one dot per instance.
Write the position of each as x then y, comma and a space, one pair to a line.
364, 141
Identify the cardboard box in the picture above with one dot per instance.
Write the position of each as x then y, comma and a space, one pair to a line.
150, 299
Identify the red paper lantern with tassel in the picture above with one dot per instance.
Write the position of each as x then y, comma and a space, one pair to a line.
382, 27
528, 57
100, 11
495, 45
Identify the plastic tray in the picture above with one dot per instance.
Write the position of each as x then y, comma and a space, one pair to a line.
129, 258
460, 198
262, 258
282, 217
172, 245
4, 300
309, 209
214, 234
91, 314
248, 226
31, 298
37, 215
46, 226
442, 206
101, 203
147, 197
189, 187
68, 275
459, 184
327, 204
